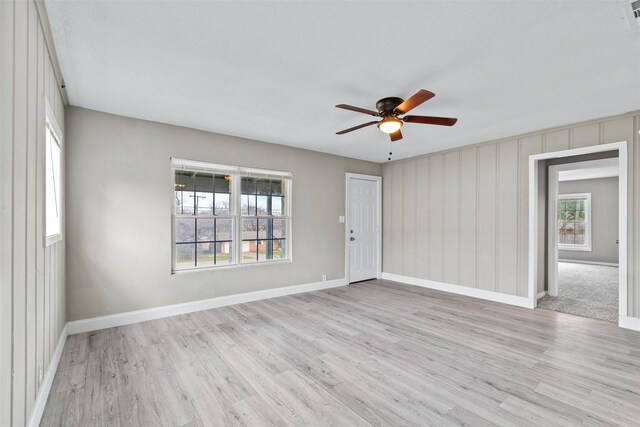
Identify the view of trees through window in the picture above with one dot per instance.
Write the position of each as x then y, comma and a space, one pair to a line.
263, 234
572, 222
203, 235
205, 219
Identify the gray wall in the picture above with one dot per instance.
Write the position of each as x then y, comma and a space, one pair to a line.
604, 219
461, 216
119, 214
32, 298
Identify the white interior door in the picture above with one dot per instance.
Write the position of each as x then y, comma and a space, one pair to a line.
363, 228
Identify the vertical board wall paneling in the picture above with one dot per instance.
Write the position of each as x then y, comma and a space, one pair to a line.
387, 203
487, 216
32, 130
468, 213
422, 226
585, 136
6, 213
493, 194
436, 217
32, 308
409, 218
20, 209
556, 141
396, 217
451, 272
508, 215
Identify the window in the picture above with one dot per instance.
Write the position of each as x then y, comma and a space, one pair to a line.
264, 224
53, 183
226, 215
574, 222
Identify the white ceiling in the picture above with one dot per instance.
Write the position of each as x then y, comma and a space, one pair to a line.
603, 168
273, 70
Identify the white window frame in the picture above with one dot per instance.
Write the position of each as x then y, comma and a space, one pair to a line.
51, 127
236, 173
587, 237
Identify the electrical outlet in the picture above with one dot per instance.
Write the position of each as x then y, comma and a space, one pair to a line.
324, 277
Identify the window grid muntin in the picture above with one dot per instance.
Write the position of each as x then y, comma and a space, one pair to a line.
235, 213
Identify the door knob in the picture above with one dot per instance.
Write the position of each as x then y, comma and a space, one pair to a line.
352, 239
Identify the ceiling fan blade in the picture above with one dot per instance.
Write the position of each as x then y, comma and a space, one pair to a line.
357, 109
396, 136
428, 120
421, 96
342, 132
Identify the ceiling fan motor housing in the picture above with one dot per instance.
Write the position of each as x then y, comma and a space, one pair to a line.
386, 105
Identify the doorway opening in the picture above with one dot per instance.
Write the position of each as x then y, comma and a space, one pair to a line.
363, 228
575, 267
582, 237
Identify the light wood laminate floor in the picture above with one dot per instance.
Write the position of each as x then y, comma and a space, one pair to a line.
372, 353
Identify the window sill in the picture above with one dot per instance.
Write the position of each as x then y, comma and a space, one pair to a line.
232, 266
575, 248
50, 240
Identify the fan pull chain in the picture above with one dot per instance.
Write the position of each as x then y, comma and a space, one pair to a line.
390, 153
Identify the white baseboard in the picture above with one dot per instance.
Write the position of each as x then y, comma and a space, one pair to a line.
47, 382
574, 261
127, 318
627, 322
542, 294
462, 290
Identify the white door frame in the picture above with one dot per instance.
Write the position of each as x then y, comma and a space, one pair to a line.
552, 204
621, 147
378, 181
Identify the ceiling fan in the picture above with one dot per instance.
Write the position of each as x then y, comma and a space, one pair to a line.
390, 109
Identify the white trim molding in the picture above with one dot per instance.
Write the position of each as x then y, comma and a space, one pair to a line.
627, 322
576, 261
460, 290
542, 294
127, 318
621, 148
47, 382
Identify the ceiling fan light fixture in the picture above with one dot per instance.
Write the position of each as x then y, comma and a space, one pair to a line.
390, 124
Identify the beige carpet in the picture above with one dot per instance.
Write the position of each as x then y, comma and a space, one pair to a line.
585, 290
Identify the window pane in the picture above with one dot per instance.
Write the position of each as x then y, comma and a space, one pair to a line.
249, 250
249, 229
52, 185
204, 182
184, 202
263, 204
224, 229
263, 254
204, 203
276, 206
277, 187
184, 181
185, 230
248, 186
185, 256
263, 186
222, 184
279, 229
223, 204
224, 253
279, 249
205, 231
264, 228
248, 204
206, 254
